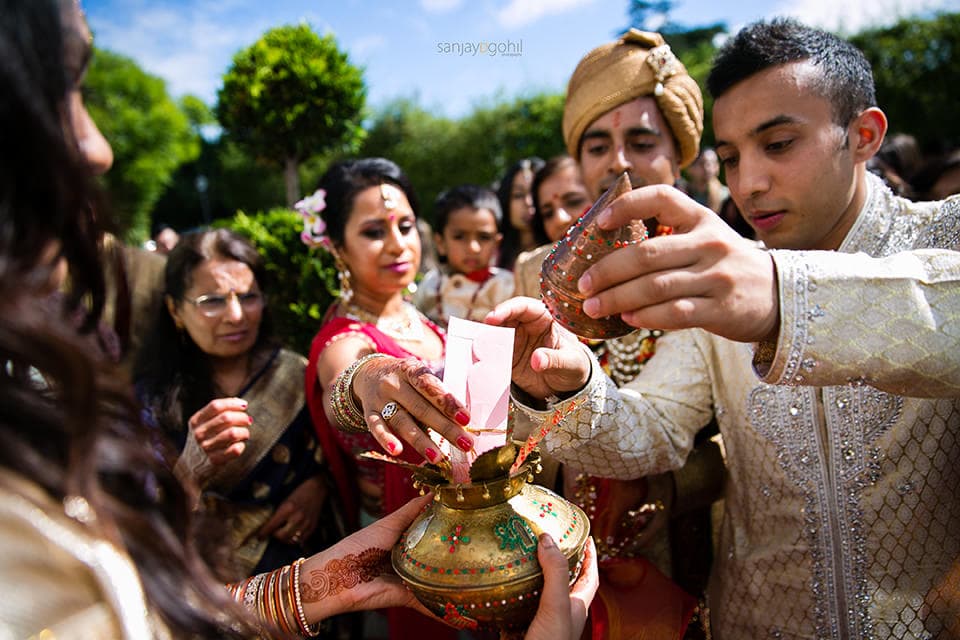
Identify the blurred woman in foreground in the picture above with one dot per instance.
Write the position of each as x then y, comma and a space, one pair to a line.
99, 537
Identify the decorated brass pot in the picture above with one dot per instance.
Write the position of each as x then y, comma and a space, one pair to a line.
471, 556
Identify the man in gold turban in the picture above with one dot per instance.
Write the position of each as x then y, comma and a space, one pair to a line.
631, 106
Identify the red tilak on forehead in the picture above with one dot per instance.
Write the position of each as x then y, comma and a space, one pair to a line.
616, 118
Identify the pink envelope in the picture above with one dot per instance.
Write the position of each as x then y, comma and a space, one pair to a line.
477, 369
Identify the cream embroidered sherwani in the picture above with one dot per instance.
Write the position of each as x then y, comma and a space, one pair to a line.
842, 516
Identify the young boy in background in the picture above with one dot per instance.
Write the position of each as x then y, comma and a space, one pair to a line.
467, 234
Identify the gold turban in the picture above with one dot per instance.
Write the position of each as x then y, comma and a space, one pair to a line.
639, 64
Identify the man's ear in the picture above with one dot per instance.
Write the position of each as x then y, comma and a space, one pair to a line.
866, 133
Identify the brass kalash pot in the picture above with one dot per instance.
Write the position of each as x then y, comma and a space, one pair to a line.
471, 556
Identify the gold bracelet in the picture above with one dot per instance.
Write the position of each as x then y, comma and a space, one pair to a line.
345, 410
273, 614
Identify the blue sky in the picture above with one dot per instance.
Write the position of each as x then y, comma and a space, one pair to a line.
407, 49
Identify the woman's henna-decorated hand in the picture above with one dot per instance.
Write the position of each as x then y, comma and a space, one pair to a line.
355, 574
422, 400
344, 573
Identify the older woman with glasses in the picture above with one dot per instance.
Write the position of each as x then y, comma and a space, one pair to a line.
212, 378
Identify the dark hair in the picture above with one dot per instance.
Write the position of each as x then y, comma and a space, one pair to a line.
78, 432
845, 78
46, 192
171, 371
510, 246
929, 174
730, 213
552, 166
344, 180
463, 196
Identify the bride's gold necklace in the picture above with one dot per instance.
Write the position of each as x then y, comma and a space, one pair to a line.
407, 326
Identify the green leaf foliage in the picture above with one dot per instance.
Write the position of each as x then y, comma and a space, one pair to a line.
149, 133
916, 73
291, 95
197, 112
438, 153
302, 282
695, 49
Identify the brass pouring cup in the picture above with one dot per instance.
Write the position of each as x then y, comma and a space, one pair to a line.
581, 247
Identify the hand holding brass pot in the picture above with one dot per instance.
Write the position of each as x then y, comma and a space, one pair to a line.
471, 556
582, 245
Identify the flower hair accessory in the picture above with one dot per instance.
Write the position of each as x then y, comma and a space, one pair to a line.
314, 228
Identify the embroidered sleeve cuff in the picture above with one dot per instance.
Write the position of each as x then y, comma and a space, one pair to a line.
526, 404
779, 363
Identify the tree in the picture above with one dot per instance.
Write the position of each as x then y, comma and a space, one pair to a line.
695, 48
289, 96
507, 131
231, 180
649, 16
438, 153
916, 73
149, 134
198, 113
425, 146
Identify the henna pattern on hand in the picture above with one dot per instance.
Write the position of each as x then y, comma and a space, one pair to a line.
382, 367
418, 376
344, 573
429, 386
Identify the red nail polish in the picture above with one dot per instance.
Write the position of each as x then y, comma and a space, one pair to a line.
431, 454
391, 446
250, 419
465, 443
462, 418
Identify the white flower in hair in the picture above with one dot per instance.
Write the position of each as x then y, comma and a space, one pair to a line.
314, 228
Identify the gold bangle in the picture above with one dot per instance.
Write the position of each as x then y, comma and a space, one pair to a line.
287, 614
345, 409
270, 601
290, 604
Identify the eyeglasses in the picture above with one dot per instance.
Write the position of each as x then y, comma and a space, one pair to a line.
213, 306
